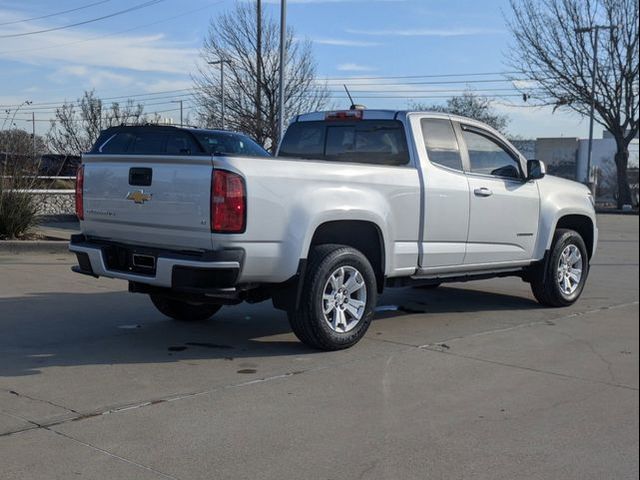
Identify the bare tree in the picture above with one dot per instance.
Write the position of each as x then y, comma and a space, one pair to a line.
21, 143
232, 37
471, 105
554, 45
77, 125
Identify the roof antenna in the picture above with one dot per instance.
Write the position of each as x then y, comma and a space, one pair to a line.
354, 106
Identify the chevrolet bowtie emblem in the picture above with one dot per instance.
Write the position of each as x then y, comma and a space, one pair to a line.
138, 196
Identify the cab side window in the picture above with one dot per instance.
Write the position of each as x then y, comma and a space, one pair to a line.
181, 144
442, 145
116, 144
488, 157
148, 143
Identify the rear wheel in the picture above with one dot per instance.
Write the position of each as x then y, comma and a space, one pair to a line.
338, 298
181, 310
560, 279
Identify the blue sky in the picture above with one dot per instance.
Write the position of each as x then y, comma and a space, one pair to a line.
154, 49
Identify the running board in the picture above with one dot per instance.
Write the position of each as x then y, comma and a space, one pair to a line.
452, 277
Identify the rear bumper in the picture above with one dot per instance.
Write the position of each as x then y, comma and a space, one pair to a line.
192, 272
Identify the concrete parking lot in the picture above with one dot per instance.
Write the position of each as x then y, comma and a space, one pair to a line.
470, 380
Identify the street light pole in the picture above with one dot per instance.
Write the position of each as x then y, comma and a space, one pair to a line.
221, 62
283, 64
594, 68
259, 70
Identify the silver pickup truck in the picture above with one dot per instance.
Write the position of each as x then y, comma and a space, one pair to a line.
355, 201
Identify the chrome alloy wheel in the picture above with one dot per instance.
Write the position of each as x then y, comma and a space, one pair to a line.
344, 299
569, 271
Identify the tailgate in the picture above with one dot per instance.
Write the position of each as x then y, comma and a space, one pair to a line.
148, 200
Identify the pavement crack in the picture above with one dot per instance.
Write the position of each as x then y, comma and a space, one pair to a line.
113, 455
530, 369
33, 424
35, 399
550, 322
533, 411
593, 350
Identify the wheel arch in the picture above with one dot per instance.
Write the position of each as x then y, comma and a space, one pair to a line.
363, 235
581, 224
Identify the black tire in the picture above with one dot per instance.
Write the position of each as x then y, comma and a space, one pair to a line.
545, 284
183, 311
308, 321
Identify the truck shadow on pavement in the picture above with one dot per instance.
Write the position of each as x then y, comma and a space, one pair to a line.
40, 331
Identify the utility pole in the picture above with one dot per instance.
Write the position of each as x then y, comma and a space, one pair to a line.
221, 62
180, 102
594, 68
33, 133
283, 68
259, 69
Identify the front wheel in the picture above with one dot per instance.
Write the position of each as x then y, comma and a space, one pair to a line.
181, 310
559, 281
338, 297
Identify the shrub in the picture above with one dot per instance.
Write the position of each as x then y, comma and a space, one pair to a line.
17, 213
18, 170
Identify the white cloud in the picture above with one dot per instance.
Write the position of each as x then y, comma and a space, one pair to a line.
151, 53
339, 42
277, 2
91, 77
525, 84
427, 32
354, 67
166, 85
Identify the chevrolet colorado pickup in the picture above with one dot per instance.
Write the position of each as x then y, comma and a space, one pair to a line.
353, 202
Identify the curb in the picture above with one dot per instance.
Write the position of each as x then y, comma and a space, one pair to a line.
60, 217
606, 211
34, 246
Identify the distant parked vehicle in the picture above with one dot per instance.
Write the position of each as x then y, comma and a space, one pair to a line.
355, 201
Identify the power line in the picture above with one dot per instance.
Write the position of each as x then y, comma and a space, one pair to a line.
55, 14
440, 75
447, 82
78, 120
123, 97
52, 29
127, 30
395, 84
53, 110
51, 107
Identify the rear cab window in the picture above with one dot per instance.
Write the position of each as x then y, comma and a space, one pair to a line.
378, 142
441, 143
229, 144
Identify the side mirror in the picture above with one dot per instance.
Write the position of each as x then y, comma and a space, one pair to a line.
535, 169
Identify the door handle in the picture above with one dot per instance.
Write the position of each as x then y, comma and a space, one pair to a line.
483, 192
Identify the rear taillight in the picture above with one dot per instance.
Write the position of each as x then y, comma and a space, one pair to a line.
79, 192
228, 202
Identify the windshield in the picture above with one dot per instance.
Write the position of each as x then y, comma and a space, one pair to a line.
230, 144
